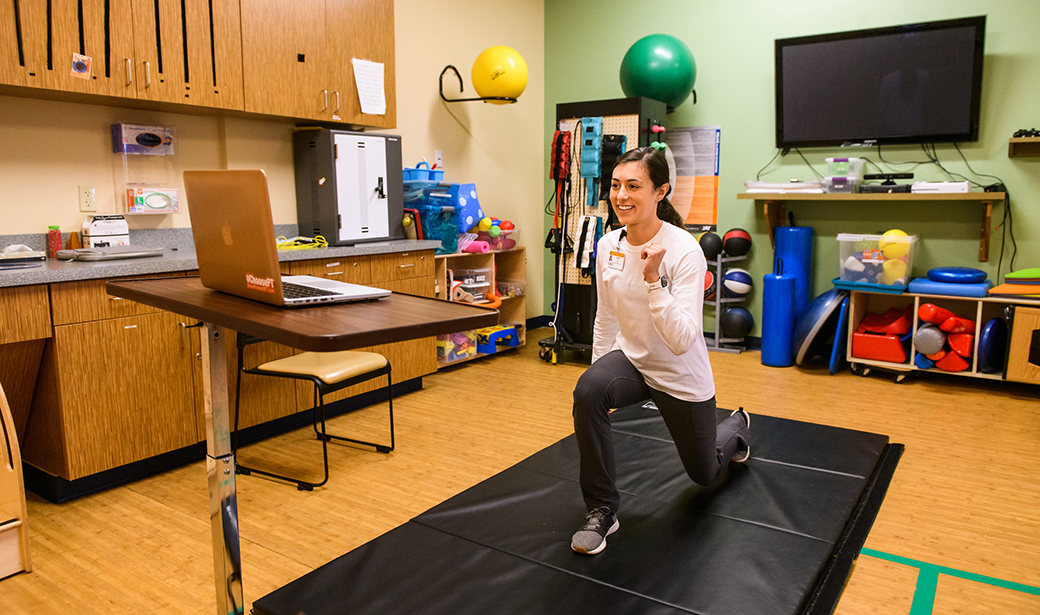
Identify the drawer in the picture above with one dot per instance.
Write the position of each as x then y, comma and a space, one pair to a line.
401, 266
352, 269
25, 313
87, 301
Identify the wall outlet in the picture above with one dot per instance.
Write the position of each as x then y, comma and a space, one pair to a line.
87, 198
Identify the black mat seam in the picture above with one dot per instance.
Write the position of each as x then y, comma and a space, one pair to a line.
558, 569
793, 465
703, 512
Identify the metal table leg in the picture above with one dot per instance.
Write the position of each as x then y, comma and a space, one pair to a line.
220, 467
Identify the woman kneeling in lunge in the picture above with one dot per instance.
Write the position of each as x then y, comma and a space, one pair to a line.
648, 343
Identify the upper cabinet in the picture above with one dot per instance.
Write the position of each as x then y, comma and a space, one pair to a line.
188, 51
272, 57
298, 57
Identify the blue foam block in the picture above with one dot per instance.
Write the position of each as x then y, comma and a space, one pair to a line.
924, 286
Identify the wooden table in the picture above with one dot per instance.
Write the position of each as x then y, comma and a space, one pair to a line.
324, 328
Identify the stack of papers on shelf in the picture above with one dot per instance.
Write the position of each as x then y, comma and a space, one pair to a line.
758, 187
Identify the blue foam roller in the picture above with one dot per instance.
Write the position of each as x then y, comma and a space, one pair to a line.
793, 245
778, 293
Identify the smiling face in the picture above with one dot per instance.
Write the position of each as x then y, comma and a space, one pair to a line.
633, 196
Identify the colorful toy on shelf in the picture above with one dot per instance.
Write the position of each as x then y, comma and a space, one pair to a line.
929, 339
490, 338
883, 337
893, 322
892, 247
885, 260
456, 346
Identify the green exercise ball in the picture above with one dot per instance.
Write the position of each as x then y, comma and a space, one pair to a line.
661, 67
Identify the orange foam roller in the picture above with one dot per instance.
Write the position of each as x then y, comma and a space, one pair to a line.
933, 314
961, 343
935, 357
952, 362
956, 324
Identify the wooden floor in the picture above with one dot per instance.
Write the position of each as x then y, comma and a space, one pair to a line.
965, 498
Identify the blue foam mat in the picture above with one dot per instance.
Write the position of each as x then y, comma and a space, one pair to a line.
924, 286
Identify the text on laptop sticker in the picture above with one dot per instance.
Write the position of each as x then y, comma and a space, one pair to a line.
264, 285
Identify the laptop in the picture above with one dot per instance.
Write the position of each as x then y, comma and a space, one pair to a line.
235, 245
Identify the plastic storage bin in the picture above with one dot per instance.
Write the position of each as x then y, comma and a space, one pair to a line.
876, 259
456, 346
479, 290
506, 240
845, 167
511, 288
473, 276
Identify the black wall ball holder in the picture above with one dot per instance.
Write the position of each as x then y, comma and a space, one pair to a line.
461, 88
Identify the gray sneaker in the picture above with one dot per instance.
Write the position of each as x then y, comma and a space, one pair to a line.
592, 537
743, 452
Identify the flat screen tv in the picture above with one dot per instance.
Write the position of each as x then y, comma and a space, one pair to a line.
915, 83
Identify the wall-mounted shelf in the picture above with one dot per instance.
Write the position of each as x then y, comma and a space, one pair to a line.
1021, 147
774, 206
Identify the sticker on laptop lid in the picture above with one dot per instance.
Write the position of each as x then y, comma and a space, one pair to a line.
264, 285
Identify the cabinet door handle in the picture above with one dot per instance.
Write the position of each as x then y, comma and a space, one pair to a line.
408, 265
129, 72
332, 265
333, 273
325, 95
337, 102
111, 298
130, 327
147, 74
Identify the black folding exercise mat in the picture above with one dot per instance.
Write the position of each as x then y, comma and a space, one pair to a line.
775, 535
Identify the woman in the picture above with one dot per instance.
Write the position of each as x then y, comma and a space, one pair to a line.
648, 343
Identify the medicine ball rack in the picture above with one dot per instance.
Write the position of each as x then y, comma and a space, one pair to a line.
720, 343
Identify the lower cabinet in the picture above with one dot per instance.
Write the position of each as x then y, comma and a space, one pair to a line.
121, 382
112, 392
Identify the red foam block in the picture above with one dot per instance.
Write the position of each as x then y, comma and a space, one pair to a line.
878, 347
933, 314
961, 343
952, 362
956, 324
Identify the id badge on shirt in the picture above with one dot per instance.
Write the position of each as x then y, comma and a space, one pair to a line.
616, 260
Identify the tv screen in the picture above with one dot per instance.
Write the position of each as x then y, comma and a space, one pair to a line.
916, 83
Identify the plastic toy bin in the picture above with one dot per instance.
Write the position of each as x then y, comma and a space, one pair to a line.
511, 288
456, 346
876, 259
473, 276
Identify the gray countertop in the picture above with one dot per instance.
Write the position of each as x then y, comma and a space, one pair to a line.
182, 258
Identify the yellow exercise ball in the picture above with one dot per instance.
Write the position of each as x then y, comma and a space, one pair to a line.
896, 248
499, 71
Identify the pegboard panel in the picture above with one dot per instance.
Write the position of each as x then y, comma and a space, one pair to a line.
577, 201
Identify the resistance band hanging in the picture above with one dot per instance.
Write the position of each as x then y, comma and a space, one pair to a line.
589, 230
591, 143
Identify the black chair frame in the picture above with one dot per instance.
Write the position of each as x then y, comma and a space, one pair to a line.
321, 389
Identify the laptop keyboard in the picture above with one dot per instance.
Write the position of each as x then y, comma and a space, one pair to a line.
298, 291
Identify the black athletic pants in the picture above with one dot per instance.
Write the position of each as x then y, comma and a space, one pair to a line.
612, 382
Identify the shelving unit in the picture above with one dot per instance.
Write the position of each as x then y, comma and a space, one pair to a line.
1022, 147
774, 206
505, 265
719, 343
982, 310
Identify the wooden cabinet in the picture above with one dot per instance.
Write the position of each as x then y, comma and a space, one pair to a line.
120, 381
186, 52
40, 38
297, 57
288, 59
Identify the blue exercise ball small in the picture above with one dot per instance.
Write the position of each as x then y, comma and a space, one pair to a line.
661, 67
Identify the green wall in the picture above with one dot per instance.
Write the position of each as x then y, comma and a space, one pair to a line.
732, 42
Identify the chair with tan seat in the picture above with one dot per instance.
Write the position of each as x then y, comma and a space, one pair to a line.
14, 524
329, 372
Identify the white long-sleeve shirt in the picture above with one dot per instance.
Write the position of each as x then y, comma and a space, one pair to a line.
659, 331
